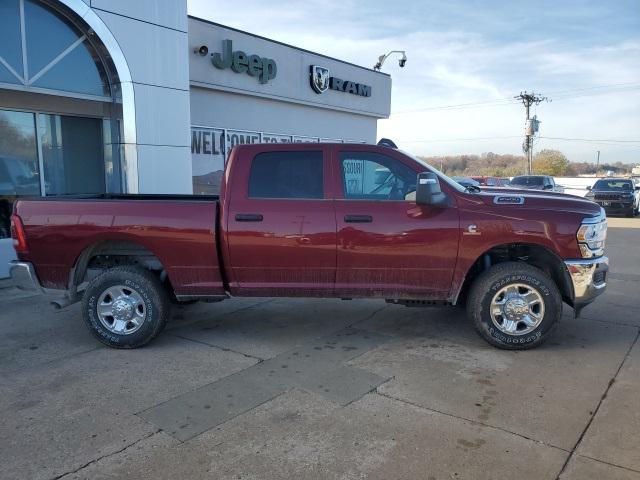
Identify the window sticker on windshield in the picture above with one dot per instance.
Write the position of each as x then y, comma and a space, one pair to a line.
508, 200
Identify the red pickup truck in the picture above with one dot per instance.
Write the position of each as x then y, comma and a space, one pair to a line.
317, 220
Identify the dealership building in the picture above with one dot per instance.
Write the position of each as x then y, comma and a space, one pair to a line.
113, 96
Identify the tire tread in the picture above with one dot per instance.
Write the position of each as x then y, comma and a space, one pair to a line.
481, 286
149, 281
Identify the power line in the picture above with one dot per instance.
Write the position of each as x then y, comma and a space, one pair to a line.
487, 103
458, 139
623, 143
561, 94
616, 143
597, 87
592, 139
593, 94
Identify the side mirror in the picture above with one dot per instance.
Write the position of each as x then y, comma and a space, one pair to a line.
589, 187
637, 188
547, 187
428, 190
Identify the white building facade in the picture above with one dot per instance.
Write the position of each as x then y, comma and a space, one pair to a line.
114, 96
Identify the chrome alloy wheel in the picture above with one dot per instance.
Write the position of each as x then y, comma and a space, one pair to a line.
121, 310
517, 309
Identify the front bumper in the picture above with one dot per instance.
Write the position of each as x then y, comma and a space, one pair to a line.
23, 276
616, 206
589, 279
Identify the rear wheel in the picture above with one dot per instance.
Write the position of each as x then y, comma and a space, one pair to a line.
125, 307
514, 306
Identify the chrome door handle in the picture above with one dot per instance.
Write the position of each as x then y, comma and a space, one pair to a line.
358, 218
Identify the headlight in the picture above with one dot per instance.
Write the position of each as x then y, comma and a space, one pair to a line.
591, 236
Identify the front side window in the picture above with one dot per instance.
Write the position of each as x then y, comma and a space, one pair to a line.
287, 175
372, 176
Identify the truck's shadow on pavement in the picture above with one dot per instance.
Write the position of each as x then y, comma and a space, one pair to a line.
269, 326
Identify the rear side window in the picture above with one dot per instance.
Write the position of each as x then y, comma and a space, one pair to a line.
287, 175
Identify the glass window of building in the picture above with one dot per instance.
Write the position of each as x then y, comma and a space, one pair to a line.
58, 55
68, 139
72, 154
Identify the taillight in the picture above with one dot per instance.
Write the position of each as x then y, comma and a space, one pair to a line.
17, 233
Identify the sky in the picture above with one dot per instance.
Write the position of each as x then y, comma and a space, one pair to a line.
583, 55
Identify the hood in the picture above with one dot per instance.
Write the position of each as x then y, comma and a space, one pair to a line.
537, 199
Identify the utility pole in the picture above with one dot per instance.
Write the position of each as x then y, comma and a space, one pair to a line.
598, 162
531, 127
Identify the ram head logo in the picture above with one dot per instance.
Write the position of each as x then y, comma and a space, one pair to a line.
319, 78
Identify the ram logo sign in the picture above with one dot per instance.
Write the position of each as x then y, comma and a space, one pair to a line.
321, 81
319, 78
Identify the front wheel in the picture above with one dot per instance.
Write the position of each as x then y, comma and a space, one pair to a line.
125, 307
514, 306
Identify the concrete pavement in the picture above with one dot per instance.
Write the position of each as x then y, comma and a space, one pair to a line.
283, 388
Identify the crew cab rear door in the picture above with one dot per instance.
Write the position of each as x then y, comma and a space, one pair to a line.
281, 229
387, 245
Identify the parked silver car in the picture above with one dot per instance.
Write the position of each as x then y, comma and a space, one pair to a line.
536, 182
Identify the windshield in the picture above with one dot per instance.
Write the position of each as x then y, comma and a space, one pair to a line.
450, 181
619, 185
527, 181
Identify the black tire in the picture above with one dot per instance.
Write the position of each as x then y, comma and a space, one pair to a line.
491, 282
154, 303
631, 212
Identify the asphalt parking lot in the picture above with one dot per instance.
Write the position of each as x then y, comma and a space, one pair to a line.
304, 389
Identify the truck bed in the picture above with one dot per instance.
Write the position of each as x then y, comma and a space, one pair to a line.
179, 230
126, 196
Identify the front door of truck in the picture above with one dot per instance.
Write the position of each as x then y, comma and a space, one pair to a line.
281, 230
387, 245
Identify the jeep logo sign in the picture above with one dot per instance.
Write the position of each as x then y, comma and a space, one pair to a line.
263, 68
321, 81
